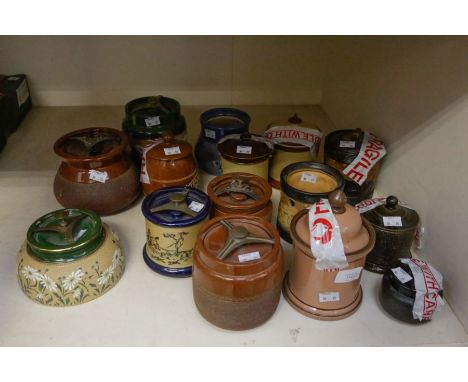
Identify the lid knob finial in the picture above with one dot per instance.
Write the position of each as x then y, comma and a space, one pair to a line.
338, 201
167, 136
391, 201
295, 119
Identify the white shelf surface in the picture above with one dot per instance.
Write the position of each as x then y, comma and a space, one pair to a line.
144, 308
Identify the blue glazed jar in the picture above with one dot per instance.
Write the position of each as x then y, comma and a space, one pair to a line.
174, 216
217, 123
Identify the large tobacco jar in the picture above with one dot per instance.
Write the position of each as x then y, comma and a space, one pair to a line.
240, 193
174, 217
303, 184
69, 257
168, 163
245, 153
215, 124
295, 141
331, 242
358, 155
95, 172
237, 271
412, 291
147, 118
395, 227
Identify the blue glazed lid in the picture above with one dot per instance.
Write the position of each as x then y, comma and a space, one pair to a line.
176, 206
218, 122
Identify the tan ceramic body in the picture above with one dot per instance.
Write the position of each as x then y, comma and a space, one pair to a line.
281, 159
259, 168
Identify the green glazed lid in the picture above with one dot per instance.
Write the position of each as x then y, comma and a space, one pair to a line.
65, 235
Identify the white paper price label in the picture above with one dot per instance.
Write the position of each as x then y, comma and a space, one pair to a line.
249, 256
348, 144
401, 275
98, 176
348, 275
329, 296
244, 150
22, 93
172, 150
308, 177
13, 78
196, 206
392, 221
210, 134
152, 121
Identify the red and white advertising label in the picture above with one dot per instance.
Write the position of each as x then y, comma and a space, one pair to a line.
325, 237
295, 134
372, 150
144, 177
428, 284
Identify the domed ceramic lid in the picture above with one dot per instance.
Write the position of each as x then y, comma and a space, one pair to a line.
169, 149
245, 148
393, 216
65, 235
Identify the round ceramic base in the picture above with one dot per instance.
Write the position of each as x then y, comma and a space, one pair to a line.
274, 183
166, 271
317, 313
284, 235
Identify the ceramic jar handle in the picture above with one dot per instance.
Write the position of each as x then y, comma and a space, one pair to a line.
238, 185
177, 202
65, 226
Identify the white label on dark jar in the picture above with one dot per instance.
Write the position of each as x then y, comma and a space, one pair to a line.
210, 134
152, 121
329, 296
249, 256
22, 93
348, 275
13, 78
348, 144
392, 221
401, 275
98, 176
308, 177
172, 150
244, 150
196, 206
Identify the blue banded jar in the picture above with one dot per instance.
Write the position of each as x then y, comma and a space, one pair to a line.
174, 216
217, 123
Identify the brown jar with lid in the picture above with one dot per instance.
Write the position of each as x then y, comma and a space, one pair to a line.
245, 153
168, 163
237, 271
240, 193
328, 293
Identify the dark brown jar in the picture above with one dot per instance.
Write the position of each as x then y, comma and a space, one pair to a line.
240, 193
96, 172
237, 271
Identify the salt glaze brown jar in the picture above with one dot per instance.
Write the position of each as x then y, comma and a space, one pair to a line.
169, 163
245, 153
174, 217
295, 141
395, 227
237, 271
95, 172
302, 184
240, 193
69, 257
328, 294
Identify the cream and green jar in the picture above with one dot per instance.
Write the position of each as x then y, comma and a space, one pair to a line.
246, 152
174, 216
69, 257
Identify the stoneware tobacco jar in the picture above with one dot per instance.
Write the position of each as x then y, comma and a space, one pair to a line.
174, 216
240, 193
302, 184
95, 172
69, 257
324, 283
215, 124
237, 271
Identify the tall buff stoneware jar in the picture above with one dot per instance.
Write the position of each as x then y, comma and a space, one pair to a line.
69, 257
331, 243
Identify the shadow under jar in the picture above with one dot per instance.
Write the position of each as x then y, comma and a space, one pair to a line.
95, 172
237, 271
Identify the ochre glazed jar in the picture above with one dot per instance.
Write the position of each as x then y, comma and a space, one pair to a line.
69, 257
295, 141
245, 153
174, 217
95, 172
169, 163
237, 271
329, 293
302, 184
240, 193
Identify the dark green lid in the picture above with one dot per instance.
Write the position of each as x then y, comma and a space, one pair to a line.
65, 235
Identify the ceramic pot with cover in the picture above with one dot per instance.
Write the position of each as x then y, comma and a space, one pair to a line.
217, 123
302, 184
95, 172
69, 257
325, 283
240, 193
174, 216
237, 271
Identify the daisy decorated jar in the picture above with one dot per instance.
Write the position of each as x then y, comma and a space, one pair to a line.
69, 257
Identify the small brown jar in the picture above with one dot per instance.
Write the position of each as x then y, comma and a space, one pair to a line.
169, 163
96, 172
240, 193
237, 271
